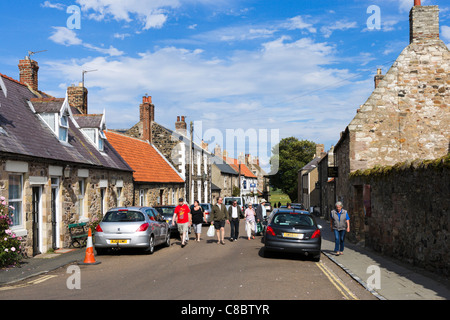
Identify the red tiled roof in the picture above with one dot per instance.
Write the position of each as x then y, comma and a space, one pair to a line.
148, 164
245, 171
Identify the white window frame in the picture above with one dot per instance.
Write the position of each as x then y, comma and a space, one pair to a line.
13, 201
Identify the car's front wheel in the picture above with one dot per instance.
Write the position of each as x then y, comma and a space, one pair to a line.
167, 243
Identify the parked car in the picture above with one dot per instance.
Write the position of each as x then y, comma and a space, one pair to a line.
167, 213
289, 230
268, 207
298, 207
228, 201
207, 208
131, 227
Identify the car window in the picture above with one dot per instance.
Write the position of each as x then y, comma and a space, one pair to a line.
151, 214
229, 201
205, 207
123, 216
164, 210
290, 219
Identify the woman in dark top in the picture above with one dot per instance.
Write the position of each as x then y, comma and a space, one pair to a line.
198, 218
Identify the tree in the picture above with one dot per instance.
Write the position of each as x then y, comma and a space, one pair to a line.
289, 156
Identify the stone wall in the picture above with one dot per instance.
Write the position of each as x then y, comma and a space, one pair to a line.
71, 207
409, 216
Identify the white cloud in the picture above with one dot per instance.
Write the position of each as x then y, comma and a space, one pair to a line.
150, 13
48, 4
283, 76
67, 37
299, 23
340, 25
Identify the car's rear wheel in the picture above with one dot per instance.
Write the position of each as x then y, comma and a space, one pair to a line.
151, 245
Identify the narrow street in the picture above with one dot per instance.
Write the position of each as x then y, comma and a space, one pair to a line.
200, 271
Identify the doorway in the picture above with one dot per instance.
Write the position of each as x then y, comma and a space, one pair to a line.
36, 217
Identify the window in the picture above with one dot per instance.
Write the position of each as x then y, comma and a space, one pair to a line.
124, 216
293, 219
142, 197
81, 190
119, 195
96, 136
15, 198
63, 128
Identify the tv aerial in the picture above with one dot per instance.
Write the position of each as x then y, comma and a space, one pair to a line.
32, 53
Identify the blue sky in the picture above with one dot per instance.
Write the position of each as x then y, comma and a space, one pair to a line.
293, 67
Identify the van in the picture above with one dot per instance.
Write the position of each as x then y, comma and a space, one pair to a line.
228, 201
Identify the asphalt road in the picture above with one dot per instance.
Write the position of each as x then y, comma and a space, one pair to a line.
200, 271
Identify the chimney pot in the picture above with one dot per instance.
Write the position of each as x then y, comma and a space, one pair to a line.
417, 3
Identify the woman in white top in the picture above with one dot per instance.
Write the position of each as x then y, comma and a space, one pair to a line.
250, 221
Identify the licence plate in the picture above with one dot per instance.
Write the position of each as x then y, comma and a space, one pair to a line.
293, 235
118, 241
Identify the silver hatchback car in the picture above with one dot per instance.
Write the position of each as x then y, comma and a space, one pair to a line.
131, 227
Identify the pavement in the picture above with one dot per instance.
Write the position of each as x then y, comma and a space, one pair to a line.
386, 278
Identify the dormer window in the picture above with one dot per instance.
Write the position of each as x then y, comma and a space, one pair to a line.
55, 113
92, 126
95, 136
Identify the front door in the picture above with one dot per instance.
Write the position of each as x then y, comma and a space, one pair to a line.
35, 219
54, 221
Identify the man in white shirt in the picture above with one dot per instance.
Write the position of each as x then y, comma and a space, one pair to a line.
234, 211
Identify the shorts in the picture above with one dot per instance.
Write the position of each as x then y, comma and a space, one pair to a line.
197, 228
219, 224
183, 227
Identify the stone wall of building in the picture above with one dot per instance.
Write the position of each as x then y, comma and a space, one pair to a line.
408, 212
71, 205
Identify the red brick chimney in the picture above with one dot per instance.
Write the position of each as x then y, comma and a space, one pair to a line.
180, 125
28, 70
417, 3
147, 116
77, 97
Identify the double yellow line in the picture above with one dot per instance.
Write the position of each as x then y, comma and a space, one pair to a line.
346, 293
29, 283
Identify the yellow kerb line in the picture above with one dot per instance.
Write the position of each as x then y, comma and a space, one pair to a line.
336, 282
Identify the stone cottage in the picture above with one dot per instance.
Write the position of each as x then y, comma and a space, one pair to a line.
56, 165
156, 182
405, 118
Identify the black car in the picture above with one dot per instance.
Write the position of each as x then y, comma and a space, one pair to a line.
290, 230
167, 213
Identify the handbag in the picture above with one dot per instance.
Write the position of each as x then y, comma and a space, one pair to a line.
210, 232
259, 227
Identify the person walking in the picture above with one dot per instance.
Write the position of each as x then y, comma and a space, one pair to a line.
198, 218
250, 221
340, 224
260, 214
218, 217
234, 212
182, 216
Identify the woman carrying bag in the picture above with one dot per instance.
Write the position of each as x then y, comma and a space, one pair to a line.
250, 224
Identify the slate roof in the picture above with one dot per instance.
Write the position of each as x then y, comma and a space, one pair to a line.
23, 133
223, 166
148, 164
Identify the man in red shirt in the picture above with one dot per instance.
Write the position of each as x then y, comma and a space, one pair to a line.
182, 216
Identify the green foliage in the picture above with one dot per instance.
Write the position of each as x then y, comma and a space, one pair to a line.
291, 155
